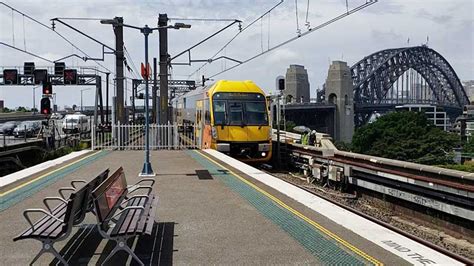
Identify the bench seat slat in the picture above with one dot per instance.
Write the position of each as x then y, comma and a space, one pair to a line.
137, 216
44, 223
151, 217
128, 218
147, 220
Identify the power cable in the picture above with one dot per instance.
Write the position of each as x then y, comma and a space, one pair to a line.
298, 30
83, 18
235, 36
24, 35
268, 34
354, 10
203, 19
13, 30
26, 52
60, 35
135, 69
261, 34
306, 23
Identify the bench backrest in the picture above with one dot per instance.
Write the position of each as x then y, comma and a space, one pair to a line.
93, 184
108, 197
75, 209
88, 200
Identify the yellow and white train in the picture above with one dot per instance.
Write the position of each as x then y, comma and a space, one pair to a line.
228, 116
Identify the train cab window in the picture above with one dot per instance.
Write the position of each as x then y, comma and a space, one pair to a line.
256, 113
236, 114
219, 112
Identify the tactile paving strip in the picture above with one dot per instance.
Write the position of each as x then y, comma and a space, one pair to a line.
326, 250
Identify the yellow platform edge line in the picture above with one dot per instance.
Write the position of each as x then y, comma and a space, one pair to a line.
300, 215
44, 175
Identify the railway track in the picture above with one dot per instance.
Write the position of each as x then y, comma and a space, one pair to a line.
376, 215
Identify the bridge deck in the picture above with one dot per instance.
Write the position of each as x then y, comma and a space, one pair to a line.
225, 217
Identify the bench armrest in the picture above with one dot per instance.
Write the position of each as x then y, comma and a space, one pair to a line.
152, 180
45, 201
27, 217
134, 197
126, 209
77, 181
65, 189
136, 187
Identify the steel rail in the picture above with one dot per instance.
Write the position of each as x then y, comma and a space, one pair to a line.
388, 226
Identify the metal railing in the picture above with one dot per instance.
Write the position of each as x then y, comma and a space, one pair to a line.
132, 137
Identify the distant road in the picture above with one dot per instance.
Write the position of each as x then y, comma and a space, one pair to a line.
20, 116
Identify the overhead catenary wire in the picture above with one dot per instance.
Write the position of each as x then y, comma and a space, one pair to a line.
24, 35
306, 23
236, 35
59, 34
203, 19
298, 30
13, 29
310, 30
26, 52
135, 69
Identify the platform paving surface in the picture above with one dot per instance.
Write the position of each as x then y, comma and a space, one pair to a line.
201, 219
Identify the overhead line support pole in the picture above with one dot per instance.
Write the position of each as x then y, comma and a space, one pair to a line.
119, 62
154, 92
163, 40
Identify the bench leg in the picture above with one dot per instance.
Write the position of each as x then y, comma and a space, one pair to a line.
122, 245
48, 247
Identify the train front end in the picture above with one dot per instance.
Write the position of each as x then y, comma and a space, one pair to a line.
240, 125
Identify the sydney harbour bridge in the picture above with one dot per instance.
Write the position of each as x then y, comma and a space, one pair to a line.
410, 75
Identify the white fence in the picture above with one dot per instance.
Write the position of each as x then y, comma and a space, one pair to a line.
132, 137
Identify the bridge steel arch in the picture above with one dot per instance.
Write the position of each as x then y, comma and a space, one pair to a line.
374, 76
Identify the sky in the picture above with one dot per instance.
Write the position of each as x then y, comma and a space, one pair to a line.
446, 26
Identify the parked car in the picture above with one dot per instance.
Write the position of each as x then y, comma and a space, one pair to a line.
75, 123
28, 128
56, 116
8, 127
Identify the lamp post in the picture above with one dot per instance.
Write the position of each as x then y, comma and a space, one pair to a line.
81, 97
146, 170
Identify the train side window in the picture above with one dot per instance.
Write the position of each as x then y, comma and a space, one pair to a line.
207, 113
219, 112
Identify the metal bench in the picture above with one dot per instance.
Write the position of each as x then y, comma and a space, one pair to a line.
56, 225
63, 199
121, 216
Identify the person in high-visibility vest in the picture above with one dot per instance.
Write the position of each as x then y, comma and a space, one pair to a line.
305, 138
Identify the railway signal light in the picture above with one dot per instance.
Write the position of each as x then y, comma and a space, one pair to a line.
45, 106
280, 83
41, 76
10, 76
70, 76
29, 68
59, 68
47, 88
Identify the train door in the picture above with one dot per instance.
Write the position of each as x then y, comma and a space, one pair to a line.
199, 123
206, 134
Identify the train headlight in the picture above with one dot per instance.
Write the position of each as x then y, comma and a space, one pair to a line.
214, 132
264, 154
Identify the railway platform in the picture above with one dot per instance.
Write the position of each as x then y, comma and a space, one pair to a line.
212, 210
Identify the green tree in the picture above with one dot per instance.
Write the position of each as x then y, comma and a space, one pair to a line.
407, 136
21, 109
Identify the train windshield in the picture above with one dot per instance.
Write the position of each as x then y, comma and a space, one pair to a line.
239, 109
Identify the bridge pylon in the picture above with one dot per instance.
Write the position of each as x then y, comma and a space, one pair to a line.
339, 91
